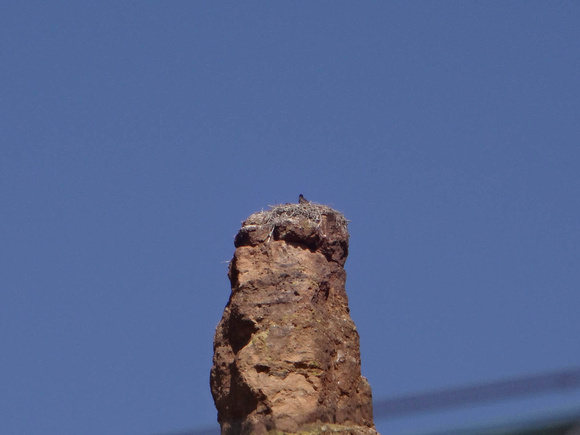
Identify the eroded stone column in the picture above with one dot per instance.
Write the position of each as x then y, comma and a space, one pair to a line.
286, 352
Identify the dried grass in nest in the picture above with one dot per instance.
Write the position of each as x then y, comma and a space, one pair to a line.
288, 212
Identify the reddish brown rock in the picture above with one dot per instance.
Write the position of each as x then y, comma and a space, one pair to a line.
286, 352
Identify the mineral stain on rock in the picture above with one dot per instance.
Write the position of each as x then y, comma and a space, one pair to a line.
286, 352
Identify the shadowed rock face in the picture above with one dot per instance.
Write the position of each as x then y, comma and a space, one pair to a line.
286, 352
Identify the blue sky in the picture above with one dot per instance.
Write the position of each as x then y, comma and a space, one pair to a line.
136, 136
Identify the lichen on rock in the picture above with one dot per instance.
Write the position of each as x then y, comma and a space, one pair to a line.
286, 352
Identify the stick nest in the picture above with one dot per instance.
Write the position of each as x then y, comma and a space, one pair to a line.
293, 212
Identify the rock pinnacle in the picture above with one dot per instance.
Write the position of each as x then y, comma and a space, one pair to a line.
286, 352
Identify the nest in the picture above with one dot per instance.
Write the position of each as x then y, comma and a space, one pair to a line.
292, 212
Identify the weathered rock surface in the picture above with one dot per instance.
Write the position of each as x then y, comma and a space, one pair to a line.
286, 352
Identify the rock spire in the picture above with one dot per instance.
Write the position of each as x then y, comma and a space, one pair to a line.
286, 352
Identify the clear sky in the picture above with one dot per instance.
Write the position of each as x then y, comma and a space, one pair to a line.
136, 136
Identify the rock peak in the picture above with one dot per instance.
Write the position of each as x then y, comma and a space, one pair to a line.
286, 352
316, 226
